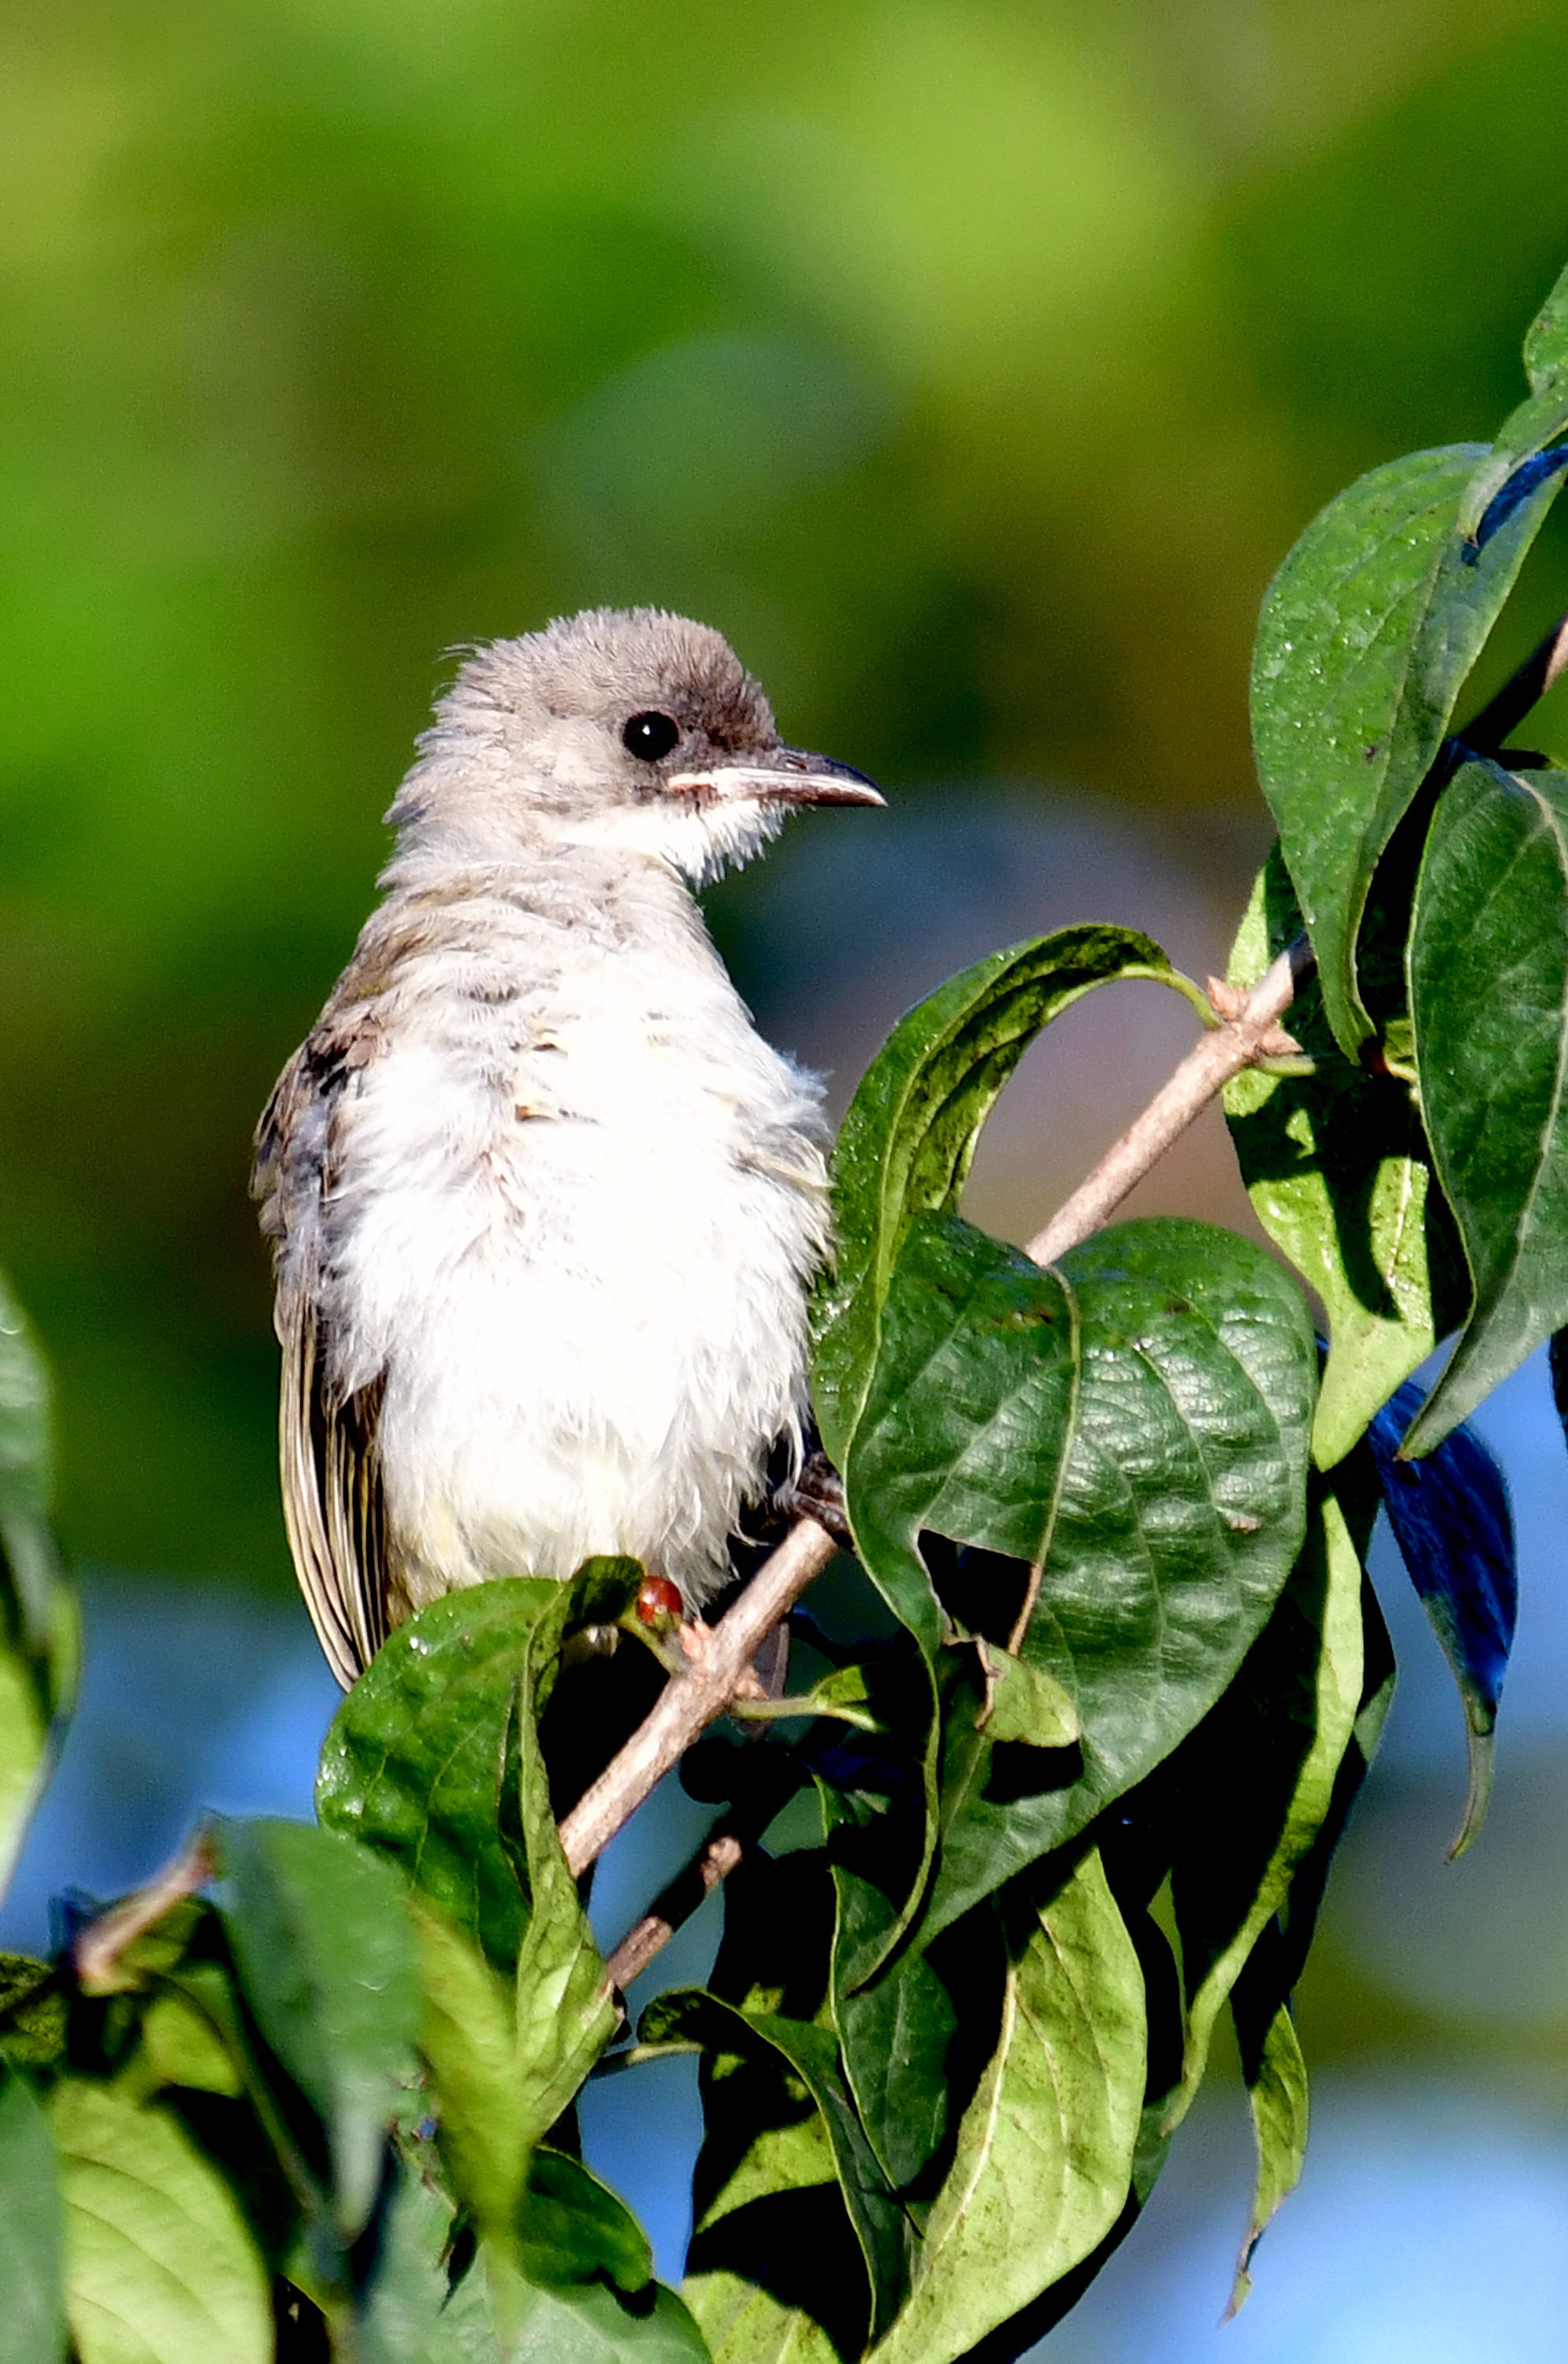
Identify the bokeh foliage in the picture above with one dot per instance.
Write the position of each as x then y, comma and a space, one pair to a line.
969, 364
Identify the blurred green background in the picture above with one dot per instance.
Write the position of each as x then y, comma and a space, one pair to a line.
972, 364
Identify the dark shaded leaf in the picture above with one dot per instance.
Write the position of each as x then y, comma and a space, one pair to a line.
1367, 635
415, 1764
1259, 1780
1178, 1519
322, 1943
896, 2035
1537, 422
1045, 2149
878, 1811
811, 2054
39, 1644
33, 2012
1340, 1175
575, 2229
32, 2300
160, 2267
1489, 1003
1454, 1528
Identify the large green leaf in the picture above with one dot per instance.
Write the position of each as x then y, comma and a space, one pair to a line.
160, 2267
1178, 1519
1538, 421
468, 2036
32, 2301
896, 2035
415, 1764
1045, 2149
322, 1943
38, 1619
811, 2054
1340, 1175
1489, 1002
1367, 635
906, 1143
411, 2313
586, 2322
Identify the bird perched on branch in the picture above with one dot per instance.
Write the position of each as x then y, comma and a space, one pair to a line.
544, 1205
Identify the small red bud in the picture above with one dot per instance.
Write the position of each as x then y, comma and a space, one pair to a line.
658, 1599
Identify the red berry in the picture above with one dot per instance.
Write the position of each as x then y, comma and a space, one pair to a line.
657, 1598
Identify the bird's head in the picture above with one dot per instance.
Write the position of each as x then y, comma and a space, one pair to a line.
628, 729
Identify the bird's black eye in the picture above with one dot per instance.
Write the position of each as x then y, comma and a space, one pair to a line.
650, 736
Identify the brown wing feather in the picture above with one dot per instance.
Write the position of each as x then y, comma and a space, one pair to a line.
332, 1501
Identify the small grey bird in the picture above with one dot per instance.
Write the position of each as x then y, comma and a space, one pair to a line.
545, 1207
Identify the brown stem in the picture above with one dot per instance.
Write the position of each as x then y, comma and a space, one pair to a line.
98, 1948
1497, 721
1204, 1072
690, 1702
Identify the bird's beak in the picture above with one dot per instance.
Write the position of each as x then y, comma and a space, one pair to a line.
788, 777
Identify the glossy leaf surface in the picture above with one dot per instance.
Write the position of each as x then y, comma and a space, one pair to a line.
415, 1763
1340, 1175
1179, 1513
1489, 1002
1045, 2149
1368, 633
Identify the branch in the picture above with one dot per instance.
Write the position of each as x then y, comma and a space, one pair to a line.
691, 1701
1249, 1033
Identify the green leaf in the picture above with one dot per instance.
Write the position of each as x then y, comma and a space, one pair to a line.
1367, 635
906, 1143
160, 2267
565, 2011
744, 2323
1538, 421
1489, 1000
414, 1764
183, 2047
32, 2303
811, 2054
469, 2038
1180, 1514
38, 1638
896, 2034
575, 2229
585, 2323
1276, 2078
33, 2012
322, 1943
1259, 1780
1340, 1175
1045, 2148
411, 2313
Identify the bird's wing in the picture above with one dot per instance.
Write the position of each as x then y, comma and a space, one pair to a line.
333, 1507
332, 1498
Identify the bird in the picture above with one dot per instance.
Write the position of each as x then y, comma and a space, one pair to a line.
545, 1208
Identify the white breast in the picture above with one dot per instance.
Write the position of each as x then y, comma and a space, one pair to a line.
576, 1206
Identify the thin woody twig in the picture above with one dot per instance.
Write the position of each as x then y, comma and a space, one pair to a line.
1208, 1068
98, 1948
690, 1702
